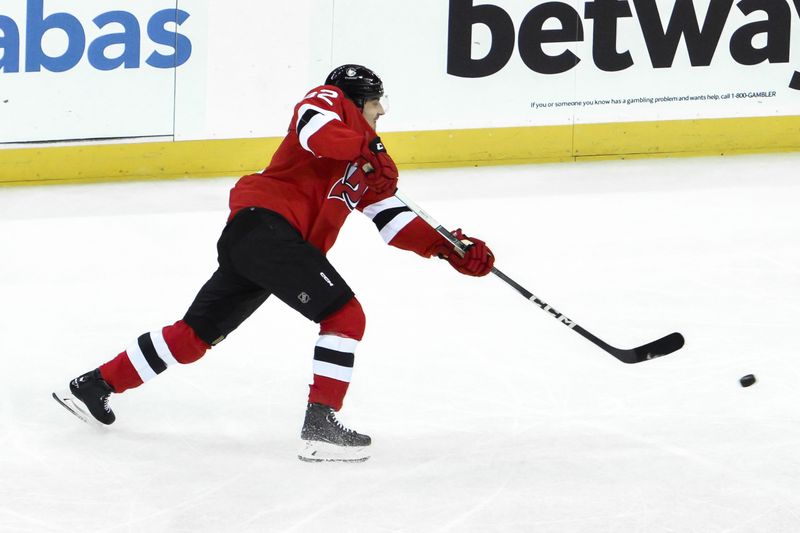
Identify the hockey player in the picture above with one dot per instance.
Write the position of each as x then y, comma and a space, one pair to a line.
282, 222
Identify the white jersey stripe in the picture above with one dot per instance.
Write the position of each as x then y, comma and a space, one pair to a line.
394, 226
315, 124
136, 357
328, 370
337, 344
373, 210
162, 348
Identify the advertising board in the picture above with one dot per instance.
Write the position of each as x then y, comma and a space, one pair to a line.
463, 77
91, 69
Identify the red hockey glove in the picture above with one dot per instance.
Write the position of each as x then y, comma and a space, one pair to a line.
478, 259
381, 174
380, 184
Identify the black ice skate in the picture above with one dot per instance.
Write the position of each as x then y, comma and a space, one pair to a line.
87, 398
325, 439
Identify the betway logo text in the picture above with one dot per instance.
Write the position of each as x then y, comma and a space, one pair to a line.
701, 37
159, 30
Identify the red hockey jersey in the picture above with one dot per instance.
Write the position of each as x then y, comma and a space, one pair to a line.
312, 180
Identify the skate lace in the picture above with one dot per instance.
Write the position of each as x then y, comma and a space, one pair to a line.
105, 403
338, 424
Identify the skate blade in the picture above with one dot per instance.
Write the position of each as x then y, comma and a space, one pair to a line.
76, 407
323, 452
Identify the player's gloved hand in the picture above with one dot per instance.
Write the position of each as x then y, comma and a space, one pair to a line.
477, 260
379, 168
380, 184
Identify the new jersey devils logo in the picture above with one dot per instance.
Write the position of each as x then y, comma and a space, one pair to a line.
348, 189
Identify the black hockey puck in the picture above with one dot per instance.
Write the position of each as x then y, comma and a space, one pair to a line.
747, 380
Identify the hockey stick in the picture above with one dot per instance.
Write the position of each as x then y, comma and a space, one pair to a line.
658, 348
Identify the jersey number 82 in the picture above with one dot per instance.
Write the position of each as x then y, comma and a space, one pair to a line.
326, 95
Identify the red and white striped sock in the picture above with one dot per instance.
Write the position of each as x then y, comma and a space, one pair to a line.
151, 354
334, 354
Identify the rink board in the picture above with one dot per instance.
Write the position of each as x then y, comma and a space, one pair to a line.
425, 149
100, 90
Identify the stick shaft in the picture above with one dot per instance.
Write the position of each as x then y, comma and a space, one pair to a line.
657, 348
432, 222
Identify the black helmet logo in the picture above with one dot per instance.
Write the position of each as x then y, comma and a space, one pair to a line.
351, 72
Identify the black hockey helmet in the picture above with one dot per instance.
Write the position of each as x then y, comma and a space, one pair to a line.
358, 83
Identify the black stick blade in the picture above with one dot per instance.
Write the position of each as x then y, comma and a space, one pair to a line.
659, 348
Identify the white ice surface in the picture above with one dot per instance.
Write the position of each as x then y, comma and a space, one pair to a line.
486, 414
